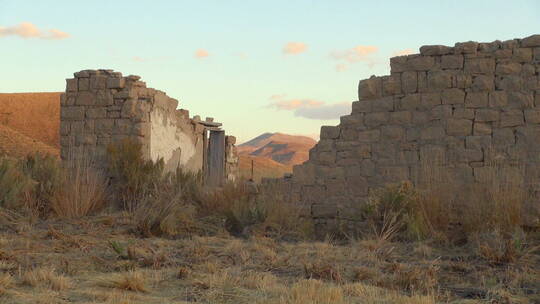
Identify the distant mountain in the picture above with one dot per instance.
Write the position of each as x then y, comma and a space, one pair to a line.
15, 144
273, 154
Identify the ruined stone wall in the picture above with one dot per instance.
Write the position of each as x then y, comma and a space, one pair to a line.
466, 105
101, 107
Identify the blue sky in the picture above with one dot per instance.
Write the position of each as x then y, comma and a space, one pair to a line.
271, 66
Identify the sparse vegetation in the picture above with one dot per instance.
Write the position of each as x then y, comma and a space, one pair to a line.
168, 239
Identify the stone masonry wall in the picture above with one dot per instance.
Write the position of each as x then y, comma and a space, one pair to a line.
101, 107
467, 105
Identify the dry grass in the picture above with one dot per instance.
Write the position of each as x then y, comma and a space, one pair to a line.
46, 277
131, 281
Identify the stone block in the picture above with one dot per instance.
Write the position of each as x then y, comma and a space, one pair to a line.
432, 132
422, 82
356, 119
410, 102
419, 117
137, 110
400, 117
104, 98
363, 151
482, 128
115, 83
459, 127
512, 118
469, 47
325, 145
431, 50
503, 54
466, 155
392, 133
329, 132
357, 185
532, 83
362, 106
452, 62
84, 84
85, 139
369, 136
85, 98
536, 54
304, 174
77, 127
326, 158
438, 80
370, 88
509, 83
480, 65
412, 134
72, 113
100, 112
476, 100
462, 81
64, 128
98, 82
104, 126
67, 141
510, 44
532, 116
71, 85
432, 155
531, 41
485, 115
521, 100
528, 69
522, 55
508, 68
409, 81
385, 104
420, 63
483, 83
398, 64
391, 85
498, 99
441, 112
392, 174
463, 113
429, 100
478, 142
349, 134
503, 137
143, 129
453, 96
489, 47
82, 74
376, 119
113, 114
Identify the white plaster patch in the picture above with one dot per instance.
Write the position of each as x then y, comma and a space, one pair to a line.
166, 138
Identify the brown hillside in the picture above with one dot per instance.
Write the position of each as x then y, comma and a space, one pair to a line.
16, 144
36, 115
262, 167
286, 149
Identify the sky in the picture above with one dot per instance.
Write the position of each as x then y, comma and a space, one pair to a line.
257, 66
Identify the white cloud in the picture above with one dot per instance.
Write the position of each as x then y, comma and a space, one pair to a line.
201, 53
294, 48
28, 30
310, 108
403, 52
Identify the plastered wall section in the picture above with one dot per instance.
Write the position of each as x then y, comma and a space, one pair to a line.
464, 107
101, 107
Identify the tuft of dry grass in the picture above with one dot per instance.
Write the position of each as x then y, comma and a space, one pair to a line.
46, 277
131, 281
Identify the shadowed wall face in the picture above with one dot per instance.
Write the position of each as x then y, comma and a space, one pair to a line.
463, 108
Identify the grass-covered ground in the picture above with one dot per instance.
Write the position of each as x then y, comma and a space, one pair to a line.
69, 236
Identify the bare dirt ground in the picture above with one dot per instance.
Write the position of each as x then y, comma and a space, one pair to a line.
100, 260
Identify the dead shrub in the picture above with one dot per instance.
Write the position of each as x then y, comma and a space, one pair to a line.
133, 177
323, 271
498, 248
46, 277
132, 281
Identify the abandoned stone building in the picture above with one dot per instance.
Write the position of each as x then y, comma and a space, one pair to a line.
462, 108
100, 107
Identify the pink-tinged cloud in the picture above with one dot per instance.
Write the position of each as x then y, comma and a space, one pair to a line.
201, 53
341, 67
356, 54
28, 30
294, 48
403, 52
310, 108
